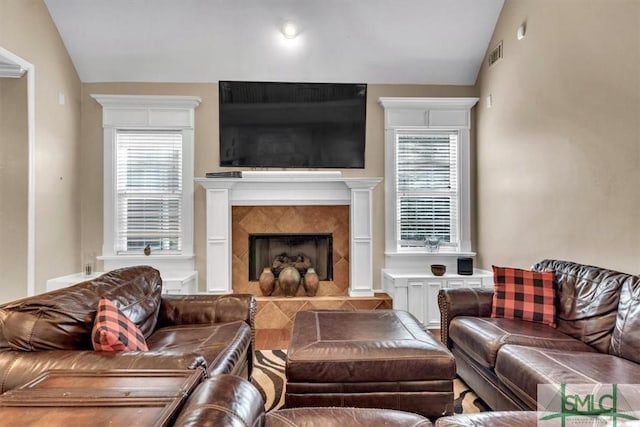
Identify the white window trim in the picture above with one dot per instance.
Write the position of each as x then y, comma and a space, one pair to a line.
426, 114
141, 112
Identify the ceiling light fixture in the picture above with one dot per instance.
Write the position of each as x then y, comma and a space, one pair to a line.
289, 30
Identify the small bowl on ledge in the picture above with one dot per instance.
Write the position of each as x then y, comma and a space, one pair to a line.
438, 269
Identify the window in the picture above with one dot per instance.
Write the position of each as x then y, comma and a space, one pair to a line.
427, 187
149, 191
427, 182
148, 181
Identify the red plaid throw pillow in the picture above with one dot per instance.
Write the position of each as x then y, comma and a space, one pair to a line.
113, 331
523, 294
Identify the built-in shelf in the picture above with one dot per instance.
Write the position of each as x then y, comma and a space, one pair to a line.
174, 283
416, 291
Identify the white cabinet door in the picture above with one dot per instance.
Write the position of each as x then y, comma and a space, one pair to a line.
456, 283
417, 299
397, 290
473, 283
464, 283
433, 287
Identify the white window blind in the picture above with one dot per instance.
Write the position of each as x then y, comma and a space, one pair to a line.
148, 191
427, 187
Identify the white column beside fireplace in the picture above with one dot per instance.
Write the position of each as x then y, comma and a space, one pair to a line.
289, 189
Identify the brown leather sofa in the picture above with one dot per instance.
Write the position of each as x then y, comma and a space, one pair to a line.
231, 401
596, 339
53, 330
491, 419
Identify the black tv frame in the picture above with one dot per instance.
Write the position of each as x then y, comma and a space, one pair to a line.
292, 125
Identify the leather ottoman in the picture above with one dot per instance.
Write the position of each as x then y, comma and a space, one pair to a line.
370, 359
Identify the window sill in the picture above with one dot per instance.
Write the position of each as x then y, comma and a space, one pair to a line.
412, 252
142, 257
167, 264
420, 259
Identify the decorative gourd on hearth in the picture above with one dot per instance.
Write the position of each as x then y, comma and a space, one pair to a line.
289, 279
267, 282
311, 282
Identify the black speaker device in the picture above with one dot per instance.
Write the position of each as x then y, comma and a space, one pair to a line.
465, 266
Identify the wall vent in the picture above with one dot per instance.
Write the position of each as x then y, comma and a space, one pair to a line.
496, 54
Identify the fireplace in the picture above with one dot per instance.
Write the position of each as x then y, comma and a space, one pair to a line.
309, 250
320, 233
287, 192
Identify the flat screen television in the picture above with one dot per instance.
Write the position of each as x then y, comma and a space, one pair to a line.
292, 125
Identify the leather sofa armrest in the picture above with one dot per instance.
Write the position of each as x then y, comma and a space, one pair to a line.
462, 302
199, 309
224, 400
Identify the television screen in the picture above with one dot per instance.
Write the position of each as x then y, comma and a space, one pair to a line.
292, 125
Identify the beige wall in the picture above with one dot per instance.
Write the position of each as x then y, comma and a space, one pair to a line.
26, 29
206, 153
558, 155
13, 187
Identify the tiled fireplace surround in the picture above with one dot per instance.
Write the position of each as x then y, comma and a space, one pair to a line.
292, 202
247, 220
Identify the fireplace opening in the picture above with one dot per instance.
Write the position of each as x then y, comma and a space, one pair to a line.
310, 250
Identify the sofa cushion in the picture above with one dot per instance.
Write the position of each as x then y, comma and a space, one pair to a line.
113, 331
521, 369
587, 300
223, 345
491, 419
482, 337
522, 294
63, 319
340, 417
625, 341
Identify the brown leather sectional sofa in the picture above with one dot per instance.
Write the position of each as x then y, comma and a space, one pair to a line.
230, 401
596, 339
53, 330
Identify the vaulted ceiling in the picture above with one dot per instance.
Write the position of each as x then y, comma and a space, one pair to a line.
369, 41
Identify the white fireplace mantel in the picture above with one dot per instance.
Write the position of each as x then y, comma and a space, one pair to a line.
295, 189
